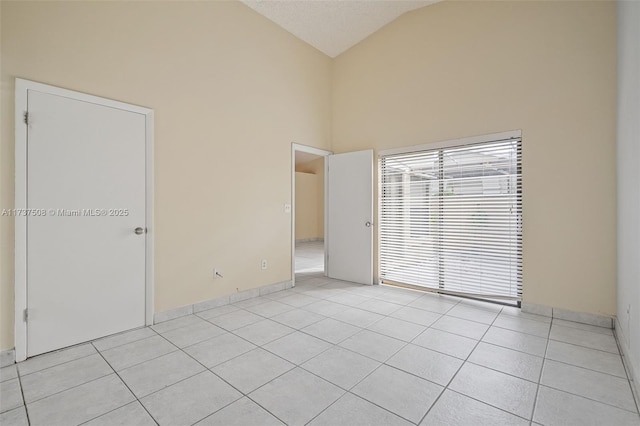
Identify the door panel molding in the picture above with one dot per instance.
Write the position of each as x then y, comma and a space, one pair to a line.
22, 88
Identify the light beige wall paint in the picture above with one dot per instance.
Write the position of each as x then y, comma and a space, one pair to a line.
458, 69
226, 83
306, 206
317, 168
230, 91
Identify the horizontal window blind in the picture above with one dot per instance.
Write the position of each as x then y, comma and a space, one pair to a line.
450, 219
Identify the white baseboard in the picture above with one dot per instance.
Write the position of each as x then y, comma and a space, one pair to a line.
565, 314
309, 240
7, 357
633, 374
210, 304
275, 287
244, 295
591, 319
220, 301
532, 308
172, 314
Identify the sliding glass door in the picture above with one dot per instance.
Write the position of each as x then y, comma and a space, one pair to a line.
450, 219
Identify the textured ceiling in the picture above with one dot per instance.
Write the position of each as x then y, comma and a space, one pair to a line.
333, 26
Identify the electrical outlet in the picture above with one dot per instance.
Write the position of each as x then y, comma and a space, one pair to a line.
287, 208
263, 264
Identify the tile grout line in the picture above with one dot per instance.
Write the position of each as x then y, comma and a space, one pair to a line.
512, 349
178, 349
576, 366
388, 315
610, 332
265, 343
115, 409
3, 378
544, 361
521, 332
142, 362
127, 386
289, 361
308, 325
55, 365
246, 395
72, 387
225, 381
187, 378
377, 368
495, 344
69, 388
636, 397
490, 405
367, 375
445, 388
587, 347
582, 346
502, 372
327, 341
356, 396
588, 398
98, 352
266, 299
542, 369
250, 399
144, 327
277, 377
585, 368
24, 401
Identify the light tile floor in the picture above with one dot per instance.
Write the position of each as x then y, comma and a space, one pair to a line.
309, 256
333, 353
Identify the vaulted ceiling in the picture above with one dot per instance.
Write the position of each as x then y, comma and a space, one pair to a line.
333, 26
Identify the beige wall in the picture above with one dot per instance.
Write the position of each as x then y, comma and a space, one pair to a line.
230, 91
315, 167
458, 69
306, 206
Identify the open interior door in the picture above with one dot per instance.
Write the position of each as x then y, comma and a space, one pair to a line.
350, 216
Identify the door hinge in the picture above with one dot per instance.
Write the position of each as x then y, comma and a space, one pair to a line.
26, 117
25, 315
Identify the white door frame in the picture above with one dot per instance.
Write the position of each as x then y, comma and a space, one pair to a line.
21, 93
322, 153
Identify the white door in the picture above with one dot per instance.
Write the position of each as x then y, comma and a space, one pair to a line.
85, 262
350, 216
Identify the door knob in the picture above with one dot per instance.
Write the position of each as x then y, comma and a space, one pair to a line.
367, 224
139, 231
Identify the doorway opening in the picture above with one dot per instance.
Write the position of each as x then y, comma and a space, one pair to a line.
308, 227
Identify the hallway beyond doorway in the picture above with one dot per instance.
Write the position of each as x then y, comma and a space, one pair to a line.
309, 257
